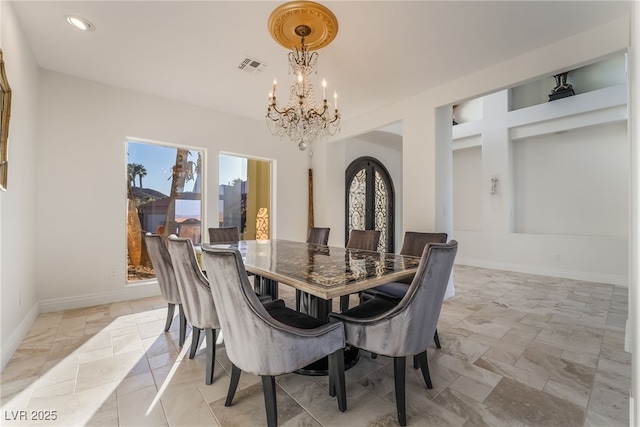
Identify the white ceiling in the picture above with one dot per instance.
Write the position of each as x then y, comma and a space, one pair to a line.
384, 50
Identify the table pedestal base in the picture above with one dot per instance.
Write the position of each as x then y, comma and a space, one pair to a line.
321, 367
264, 286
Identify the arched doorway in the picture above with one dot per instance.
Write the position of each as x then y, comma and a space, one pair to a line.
370, 200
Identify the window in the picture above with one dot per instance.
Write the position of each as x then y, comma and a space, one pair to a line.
164, 196
244, 199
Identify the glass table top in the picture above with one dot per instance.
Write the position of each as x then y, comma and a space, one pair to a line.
324, 271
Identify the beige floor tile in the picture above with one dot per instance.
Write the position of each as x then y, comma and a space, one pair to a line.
54, 372
461, 347
579, 396
248, 409
520, 375
143, 410
127, 343
187, 408
106, 415
471, 388
518, 350
533, 407
103, 371
473, 371
133, 383
76, 409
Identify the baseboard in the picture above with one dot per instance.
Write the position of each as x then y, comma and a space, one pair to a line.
609, 279
129, 293
18, 335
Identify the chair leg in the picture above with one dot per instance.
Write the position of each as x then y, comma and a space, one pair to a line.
298, 298
269, 390
336, 378
424, 367
437, 341
183, 325
399, 364
211, 354
233, 384
170, 310
195, 342
344, 303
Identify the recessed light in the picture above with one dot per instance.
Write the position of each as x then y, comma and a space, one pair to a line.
79, 23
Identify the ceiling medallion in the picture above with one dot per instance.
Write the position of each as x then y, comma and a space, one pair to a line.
286, 18
303, 26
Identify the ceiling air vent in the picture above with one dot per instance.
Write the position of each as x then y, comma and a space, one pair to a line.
252, 66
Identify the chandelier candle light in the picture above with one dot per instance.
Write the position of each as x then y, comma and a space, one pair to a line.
301, 120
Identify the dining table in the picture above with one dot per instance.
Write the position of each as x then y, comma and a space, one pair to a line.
321, 272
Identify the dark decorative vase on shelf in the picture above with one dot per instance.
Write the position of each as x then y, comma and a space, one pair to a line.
562, 89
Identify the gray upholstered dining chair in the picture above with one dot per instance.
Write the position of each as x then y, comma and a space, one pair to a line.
413, 245
269, 340
199, 308
406, 328
366, 240
224, 235
163, 267
317, 236
232, 235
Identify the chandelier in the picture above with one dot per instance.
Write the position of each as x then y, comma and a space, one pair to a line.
302, 120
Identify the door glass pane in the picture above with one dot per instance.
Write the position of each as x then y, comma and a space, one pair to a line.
357, 201
164, 196
381, 201
244, 199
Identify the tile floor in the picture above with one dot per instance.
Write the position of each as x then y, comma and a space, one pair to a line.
517, 350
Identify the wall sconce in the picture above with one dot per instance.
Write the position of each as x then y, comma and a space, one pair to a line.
494, 184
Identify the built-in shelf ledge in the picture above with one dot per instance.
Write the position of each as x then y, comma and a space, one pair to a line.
467, 129
598, 107
593, 108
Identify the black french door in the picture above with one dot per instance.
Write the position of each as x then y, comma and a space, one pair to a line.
370, 200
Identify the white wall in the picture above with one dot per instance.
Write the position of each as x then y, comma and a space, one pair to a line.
469, 188
81, 163
561, 201
632, 344
575, 183
425, 206
18, 206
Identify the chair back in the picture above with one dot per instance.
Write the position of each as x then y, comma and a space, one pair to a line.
415, 242
224, 235
318, 235
366, 240
408, 328
256, 342
197, 301
163, 267
423, 301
